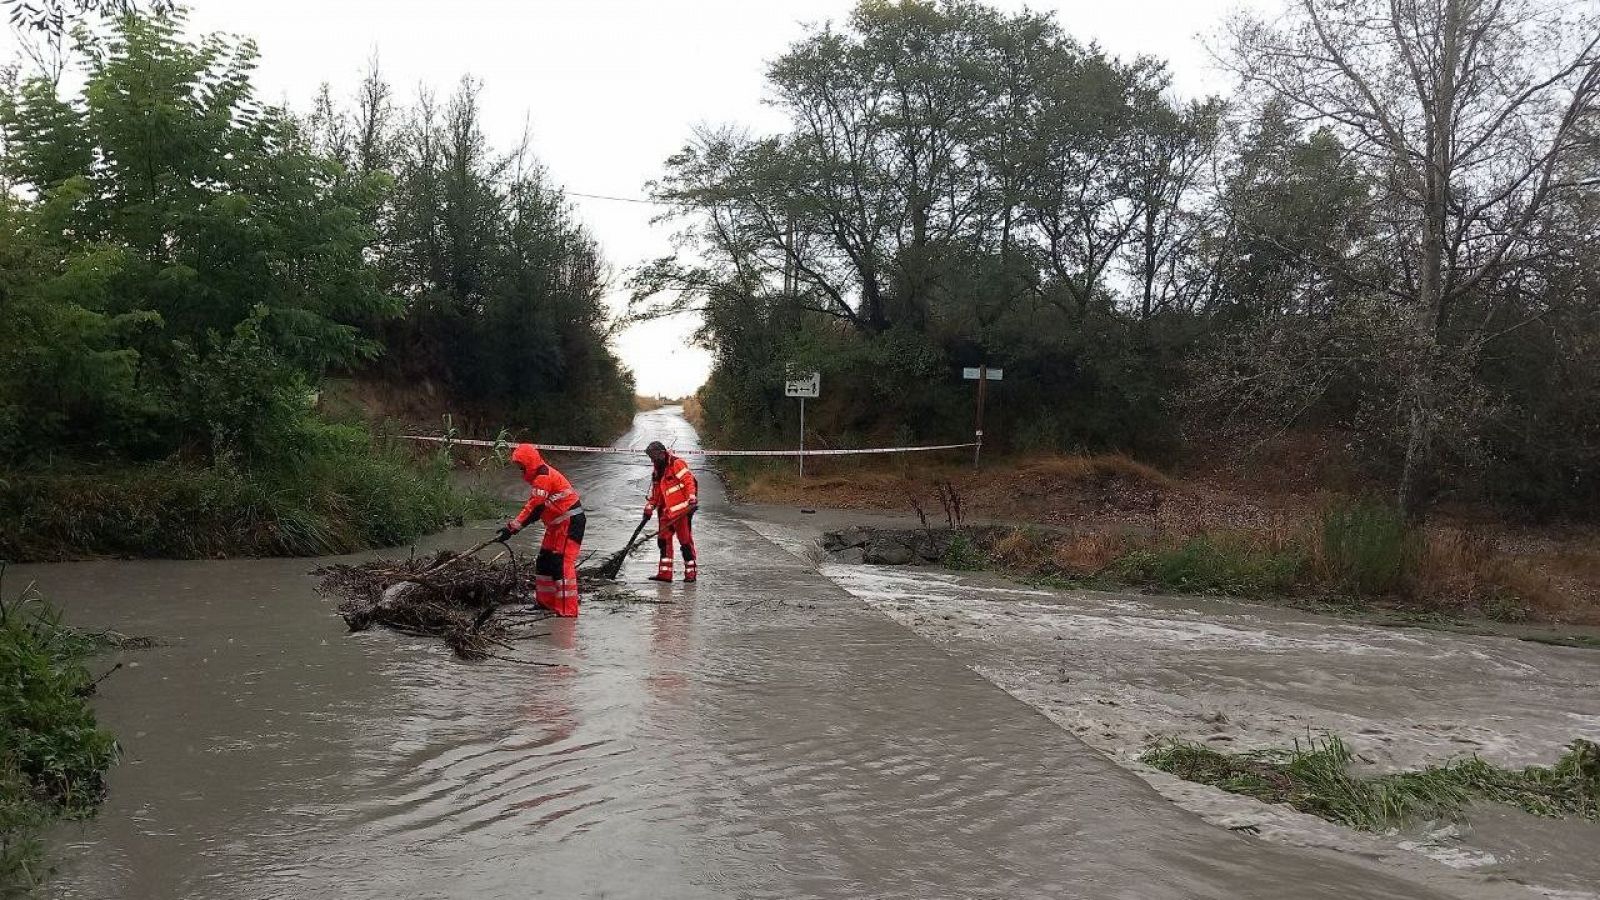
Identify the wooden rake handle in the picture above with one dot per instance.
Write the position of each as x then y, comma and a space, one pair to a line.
441, 566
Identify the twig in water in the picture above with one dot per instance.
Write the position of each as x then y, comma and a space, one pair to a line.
526, 662
96, 683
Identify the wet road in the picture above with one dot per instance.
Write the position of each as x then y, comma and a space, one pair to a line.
763, 735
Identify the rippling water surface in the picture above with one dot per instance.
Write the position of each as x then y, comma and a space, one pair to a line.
763, 735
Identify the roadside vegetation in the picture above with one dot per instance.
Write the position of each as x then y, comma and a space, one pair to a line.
331, 502
1359, 552
53, 754
1114, 522
183, 266
1315, 778
1158, 275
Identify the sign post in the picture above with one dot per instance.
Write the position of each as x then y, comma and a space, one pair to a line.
982, 375
808, 385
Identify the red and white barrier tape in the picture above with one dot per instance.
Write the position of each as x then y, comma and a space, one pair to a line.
568, 448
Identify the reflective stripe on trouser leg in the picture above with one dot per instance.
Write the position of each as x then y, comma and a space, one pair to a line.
664, 544
544, 591
567, 587
683, 530
563, 591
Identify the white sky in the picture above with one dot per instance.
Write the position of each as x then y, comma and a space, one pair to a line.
611, 88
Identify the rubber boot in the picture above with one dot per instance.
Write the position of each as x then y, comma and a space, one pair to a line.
663, 571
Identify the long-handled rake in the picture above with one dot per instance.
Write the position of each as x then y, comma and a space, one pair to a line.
613, 564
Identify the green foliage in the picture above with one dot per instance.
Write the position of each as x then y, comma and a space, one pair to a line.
1368, 547
964, 555
342, 496
958, 186
505, 288
54, 17
53, 755
1215, 565
183, 258
1315, 779
181, 264
251, 405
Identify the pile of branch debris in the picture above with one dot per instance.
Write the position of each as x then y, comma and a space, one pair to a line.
474, 606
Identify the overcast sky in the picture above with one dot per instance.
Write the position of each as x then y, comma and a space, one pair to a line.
610, 88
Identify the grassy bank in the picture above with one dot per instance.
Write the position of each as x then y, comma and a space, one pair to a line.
1315, 778
336, 499
53, 755
1353, 552
1108, 519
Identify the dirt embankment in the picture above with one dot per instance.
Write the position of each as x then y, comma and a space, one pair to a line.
1229, 532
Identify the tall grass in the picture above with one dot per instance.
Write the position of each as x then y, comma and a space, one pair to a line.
964, 555
1368, 547
1216, 564
1315, 778
53, 755
342, 497
1358, 548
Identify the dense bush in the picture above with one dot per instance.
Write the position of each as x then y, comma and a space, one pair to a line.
1210, 564
336, 499
1368, 547
53, 755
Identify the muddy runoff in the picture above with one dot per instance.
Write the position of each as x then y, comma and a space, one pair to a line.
761, 734
1124, 671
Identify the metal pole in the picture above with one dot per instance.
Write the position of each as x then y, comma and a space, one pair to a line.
983, 383
802, 439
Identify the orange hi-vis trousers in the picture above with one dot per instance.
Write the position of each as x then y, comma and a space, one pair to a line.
555, 574
682, 529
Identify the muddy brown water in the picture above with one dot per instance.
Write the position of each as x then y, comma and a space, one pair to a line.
764, 735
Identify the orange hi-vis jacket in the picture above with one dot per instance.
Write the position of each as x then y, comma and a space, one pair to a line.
674, 491
552, 498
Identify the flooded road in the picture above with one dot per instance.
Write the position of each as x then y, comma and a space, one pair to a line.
765, 734
1122, 671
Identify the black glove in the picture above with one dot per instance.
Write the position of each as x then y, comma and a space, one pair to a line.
647, 515
504, 534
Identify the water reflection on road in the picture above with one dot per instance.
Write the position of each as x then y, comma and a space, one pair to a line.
763, 735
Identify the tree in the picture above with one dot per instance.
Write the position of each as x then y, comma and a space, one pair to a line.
950, 178
1168, 168
180, 227
1465, 112
502, 289
56, 16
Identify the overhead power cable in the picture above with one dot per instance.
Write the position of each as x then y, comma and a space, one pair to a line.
618, 199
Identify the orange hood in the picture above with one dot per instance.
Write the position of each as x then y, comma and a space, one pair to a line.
528, 457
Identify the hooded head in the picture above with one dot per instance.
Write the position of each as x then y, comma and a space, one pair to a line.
528, 457
657, 453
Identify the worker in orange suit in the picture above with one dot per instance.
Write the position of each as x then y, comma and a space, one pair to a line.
676, 495
554, 502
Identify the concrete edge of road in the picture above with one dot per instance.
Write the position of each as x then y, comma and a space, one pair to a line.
1282, 827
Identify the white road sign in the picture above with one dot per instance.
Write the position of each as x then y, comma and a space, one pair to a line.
990, 375
805, 386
